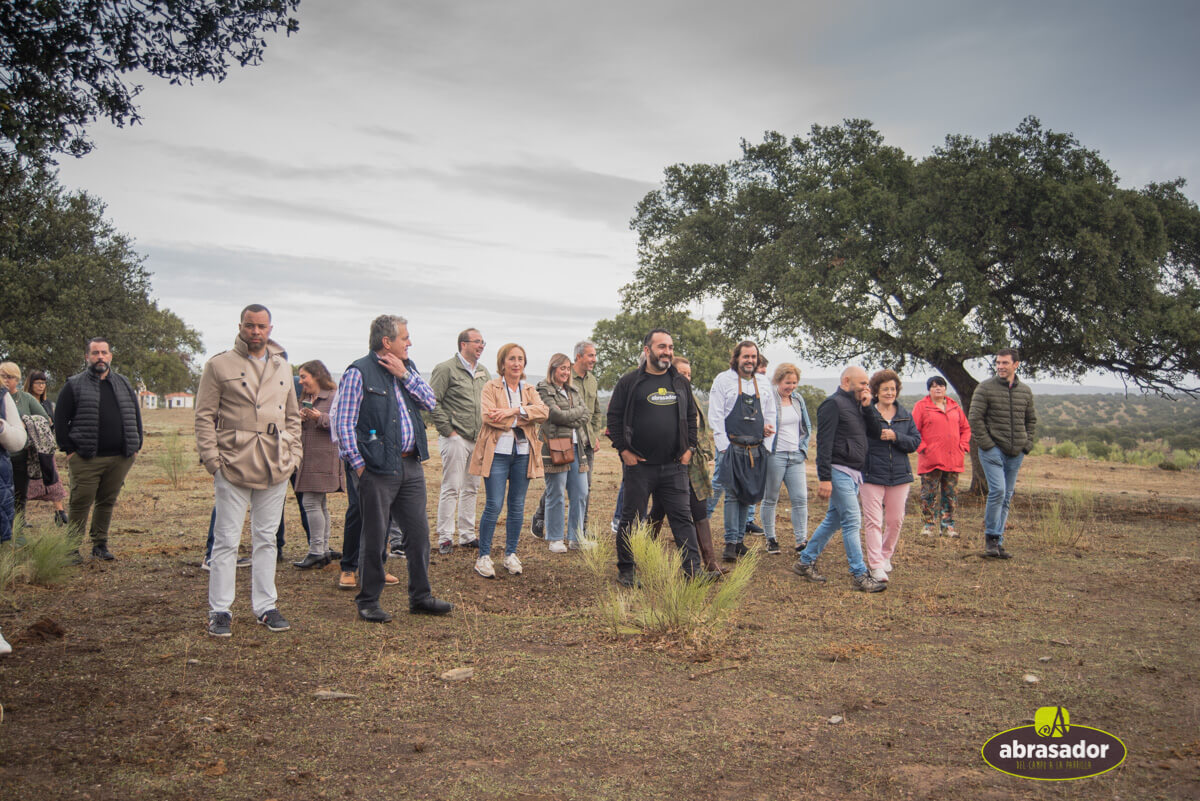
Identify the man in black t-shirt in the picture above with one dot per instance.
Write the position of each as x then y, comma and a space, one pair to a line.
652, 426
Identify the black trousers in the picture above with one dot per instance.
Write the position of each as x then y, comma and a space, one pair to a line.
699, 507
20, 471
670, 487
402, 498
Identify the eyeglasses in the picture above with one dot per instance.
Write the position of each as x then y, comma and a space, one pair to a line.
476, 342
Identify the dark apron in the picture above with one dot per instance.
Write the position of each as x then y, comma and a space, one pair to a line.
745, 468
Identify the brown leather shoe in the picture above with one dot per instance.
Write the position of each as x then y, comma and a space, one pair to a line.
390, 580
348, 580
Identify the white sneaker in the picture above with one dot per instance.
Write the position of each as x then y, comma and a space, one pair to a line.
583, 545
558, 546
483, 566
879, 574
929, 530
950, 532
615, 528
887, 566
512, 564
5, 648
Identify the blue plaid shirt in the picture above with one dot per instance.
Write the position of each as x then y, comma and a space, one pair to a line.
349, 401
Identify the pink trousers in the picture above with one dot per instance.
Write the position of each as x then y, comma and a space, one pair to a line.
883, 514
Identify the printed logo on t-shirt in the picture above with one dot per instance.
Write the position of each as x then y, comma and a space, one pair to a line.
662, 397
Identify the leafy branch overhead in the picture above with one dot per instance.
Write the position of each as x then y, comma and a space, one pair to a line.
65, 63
852, 250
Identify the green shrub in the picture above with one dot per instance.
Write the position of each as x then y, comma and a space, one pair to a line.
1067, 519
1097, 449
1066, 450
667, 602
47, 554
1127, 443
172, 460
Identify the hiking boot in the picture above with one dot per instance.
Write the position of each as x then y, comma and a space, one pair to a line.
730, 554
627, 578
865, 583
444, 548
348, 580
220, 624
274, 621
772, 545
471, 543
994, 550
807, 571
100, 551
389, 580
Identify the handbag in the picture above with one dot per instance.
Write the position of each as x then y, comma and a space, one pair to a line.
562, 450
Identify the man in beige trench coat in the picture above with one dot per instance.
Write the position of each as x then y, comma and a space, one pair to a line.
248, 436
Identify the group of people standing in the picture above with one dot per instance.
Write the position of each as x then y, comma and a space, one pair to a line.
257, 428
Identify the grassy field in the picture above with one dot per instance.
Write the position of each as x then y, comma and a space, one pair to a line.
115, 692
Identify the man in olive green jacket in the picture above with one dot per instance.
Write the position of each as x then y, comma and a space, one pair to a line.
583, 378
1003, 423
458, 383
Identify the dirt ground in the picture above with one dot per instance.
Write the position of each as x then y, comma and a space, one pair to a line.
114, 691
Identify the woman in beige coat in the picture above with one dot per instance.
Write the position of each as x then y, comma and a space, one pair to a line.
507, 453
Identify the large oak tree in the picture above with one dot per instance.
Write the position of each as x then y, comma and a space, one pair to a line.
851, 250
66, 275
65, 63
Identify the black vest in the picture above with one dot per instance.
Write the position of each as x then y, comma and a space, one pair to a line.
380, 413
85, 425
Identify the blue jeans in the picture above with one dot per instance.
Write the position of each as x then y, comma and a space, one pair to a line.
1000, 469
718, 485
510, 470
7, 504
572, 484
786, 468
844, 514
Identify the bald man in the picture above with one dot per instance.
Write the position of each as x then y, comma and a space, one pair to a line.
843, 425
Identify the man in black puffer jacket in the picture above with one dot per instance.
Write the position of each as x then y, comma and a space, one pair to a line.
99, 426
842, 427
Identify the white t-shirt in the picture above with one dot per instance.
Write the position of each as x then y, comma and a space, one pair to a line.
505, 443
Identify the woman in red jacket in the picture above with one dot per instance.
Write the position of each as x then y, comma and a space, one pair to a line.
945, 437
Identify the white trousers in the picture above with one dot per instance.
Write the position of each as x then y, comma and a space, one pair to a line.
265, 508
459, 488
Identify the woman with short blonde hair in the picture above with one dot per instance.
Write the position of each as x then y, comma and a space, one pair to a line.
505, 454
786, 463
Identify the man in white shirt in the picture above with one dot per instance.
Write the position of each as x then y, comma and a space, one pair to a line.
740, 404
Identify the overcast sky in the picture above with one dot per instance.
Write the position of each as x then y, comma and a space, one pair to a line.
477, 163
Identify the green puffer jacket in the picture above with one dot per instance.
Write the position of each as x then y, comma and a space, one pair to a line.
457, 393
567, 414
1003, 416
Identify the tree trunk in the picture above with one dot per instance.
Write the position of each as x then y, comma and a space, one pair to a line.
964, 384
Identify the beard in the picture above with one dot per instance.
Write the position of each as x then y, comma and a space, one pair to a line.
663, 363
98, 367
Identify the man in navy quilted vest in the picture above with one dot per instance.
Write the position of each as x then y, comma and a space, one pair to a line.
98, 425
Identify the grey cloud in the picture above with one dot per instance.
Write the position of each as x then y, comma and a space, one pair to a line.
391, 134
